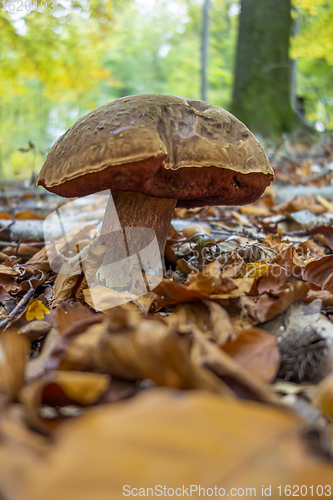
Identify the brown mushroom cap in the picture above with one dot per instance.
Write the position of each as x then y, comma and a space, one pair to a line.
161, 146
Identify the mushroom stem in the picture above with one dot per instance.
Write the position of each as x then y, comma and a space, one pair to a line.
134, 210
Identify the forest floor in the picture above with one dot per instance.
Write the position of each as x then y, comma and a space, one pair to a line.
240, 327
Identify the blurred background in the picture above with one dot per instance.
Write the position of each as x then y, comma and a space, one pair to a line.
269, 62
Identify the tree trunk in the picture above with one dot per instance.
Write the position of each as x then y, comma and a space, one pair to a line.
262, 85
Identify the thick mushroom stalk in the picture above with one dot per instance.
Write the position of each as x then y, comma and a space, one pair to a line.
134, 210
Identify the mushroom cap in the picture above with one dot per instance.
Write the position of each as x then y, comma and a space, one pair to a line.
163, 146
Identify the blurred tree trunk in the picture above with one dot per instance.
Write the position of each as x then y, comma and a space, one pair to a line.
262, 82
204, 48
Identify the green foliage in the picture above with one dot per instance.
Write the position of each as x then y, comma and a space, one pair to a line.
57, 65
312, 47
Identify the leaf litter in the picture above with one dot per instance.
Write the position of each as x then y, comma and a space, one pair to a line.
222, 375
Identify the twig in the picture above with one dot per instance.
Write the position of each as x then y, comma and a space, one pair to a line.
18, 306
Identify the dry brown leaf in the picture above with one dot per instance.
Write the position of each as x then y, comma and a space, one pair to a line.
210, 281
286, 265
269, 306
242, 382
8, 271
170, 293
64, 287
221, 326
208, 316
73, 313
61, 389
324, 295
318, 271
152, 349
300, 203
256, 251
13, 359
232, 265
242, 286
309, 249
101, 298
195, 229
77, 354
255, 210
27, 215
4, 295
323, 397
5, 215
326, 231
163, 437
257, 351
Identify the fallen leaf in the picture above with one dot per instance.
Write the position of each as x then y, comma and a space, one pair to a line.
318, 271
257, 351
149, 441
13, 359
209, 281
59, 390
286, 265
326, 231
269, 306
36, 310
27, 215
323, 397
5, 215
67, 315
255, 269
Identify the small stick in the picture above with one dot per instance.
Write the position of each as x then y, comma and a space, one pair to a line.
22, 302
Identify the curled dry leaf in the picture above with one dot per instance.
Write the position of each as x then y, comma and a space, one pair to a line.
309, 249
35, 329
269, 306
37, 366
174, 236
68, 314
221, 326
286, 265
170, 293
164, 437
299, 203
4, 295
27, 215
324, 295
154, 350
173, 355
241, 381
255, 269
242, 286
195, 229
210, 281
76, 354
324, 396
232, 265
208, 316
13, 358
257, 351
101, 298
326, 231
58, 390
64, 287
318, 272
255, 252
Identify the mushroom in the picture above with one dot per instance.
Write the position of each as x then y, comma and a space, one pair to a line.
156, 152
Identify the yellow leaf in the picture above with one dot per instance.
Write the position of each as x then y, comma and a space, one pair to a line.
255, 269
36, 310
